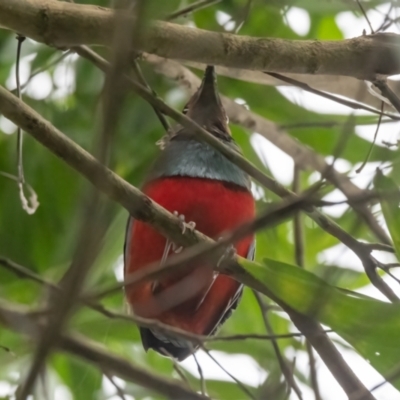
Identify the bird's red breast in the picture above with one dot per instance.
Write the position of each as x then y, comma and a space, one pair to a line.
197, 181
194, 301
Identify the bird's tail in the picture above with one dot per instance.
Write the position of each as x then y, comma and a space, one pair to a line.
170, 347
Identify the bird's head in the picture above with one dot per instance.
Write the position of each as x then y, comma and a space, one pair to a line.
205, 107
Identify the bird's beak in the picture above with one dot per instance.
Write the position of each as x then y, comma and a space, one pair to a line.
205, 106
208, 91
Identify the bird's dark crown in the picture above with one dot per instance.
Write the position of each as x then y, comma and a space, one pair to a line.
205, 107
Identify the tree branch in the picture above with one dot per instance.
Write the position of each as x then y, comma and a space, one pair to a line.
20, 321
50, 22
140, 206
303, 156
143, 208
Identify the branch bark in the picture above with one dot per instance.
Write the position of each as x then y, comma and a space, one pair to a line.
50, 22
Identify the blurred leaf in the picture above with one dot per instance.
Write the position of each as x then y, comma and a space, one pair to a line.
390, 206
348, 315
82, 379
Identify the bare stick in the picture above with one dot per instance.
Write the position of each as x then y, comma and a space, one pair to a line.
120, 392
200, 370
240, 383
286, 370
196, 6
386, 91
365, 16
299, 258
348, 103
358, 170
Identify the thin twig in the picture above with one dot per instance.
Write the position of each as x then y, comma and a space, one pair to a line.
365, 16
240, 383
120, 393
29, 208
380, 247
387, 92
198, 5
25, 273
245, 12
298, 233
348, 103
387, 18
21, 178
358, 170
203, 387
43, 68
139, 76
286, 371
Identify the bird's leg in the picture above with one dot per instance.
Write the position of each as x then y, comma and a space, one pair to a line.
229, 253
167, 248
169, 244
191, 225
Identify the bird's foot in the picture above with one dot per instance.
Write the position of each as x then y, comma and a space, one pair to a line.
191, 225
229, 253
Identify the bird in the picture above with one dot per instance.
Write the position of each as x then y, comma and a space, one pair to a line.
195, 181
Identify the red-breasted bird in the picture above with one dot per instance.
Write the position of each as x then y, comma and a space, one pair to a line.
196, 181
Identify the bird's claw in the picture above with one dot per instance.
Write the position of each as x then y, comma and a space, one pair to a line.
191, 225
229, 253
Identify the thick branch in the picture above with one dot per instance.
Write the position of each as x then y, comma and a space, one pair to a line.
50, 22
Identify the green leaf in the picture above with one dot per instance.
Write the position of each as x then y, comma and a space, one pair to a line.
348, 315
390, 206
82, 379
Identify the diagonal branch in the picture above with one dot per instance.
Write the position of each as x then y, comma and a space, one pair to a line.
303, 156
50, 22
140, 206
